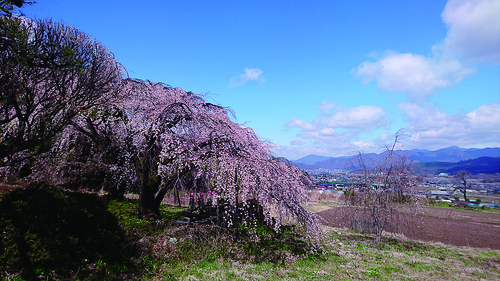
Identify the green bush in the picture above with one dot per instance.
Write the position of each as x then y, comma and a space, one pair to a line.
350, 193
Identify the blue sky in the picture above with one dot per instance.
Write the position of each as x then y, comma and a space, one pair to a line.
316, 77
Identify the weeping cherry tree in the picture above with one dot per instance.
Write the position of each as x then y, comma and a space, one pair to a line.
157, 139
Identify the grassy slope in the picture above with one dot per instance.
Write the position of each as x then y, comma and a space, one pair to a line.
353, 256
162, 251
348, 256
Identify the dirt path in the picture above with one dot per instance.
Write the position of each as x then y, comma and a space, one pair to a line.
449, 226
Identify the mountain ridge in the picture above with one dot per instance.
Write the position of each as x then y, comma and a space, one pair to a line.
451, 154
481, 165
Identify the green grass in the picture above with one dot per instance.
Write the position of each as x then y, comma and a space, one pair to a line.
160, 250
454, 206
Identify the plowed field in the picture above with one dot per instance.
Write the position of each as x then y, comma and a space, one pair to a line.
450, 226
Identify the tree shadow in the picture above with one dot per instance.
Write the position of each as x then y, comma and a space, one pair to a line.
278, 247
52, 234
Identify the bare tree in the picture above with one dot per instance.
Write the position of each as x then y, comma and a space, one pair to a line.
386, 182
461, 182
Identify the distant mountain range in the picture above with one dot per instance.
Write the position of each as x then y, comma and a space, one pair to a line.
451, 158
481, 165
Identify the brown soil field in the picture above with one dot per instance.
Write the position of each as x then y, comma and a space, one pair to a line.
446, 225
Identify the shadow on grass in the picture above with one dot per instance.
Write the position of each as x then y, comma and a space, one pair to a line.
278, 247
53, 234
126, 212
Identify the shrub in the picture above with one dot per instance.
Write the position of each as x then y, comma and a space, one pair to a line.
350, 193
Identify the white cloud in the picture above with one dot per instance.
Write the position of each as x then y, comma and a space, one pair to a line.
334, 132
365, 128
384, 137
296, 123
296, 152
361, 117
473, 29
473, 36
421, 118
250, 74
325, 107
418, 75
433, 128
296, 142
486, 118
328, 138
360, 145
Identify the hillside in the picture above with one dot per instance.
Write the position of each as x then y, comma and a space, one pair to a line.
124, 247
